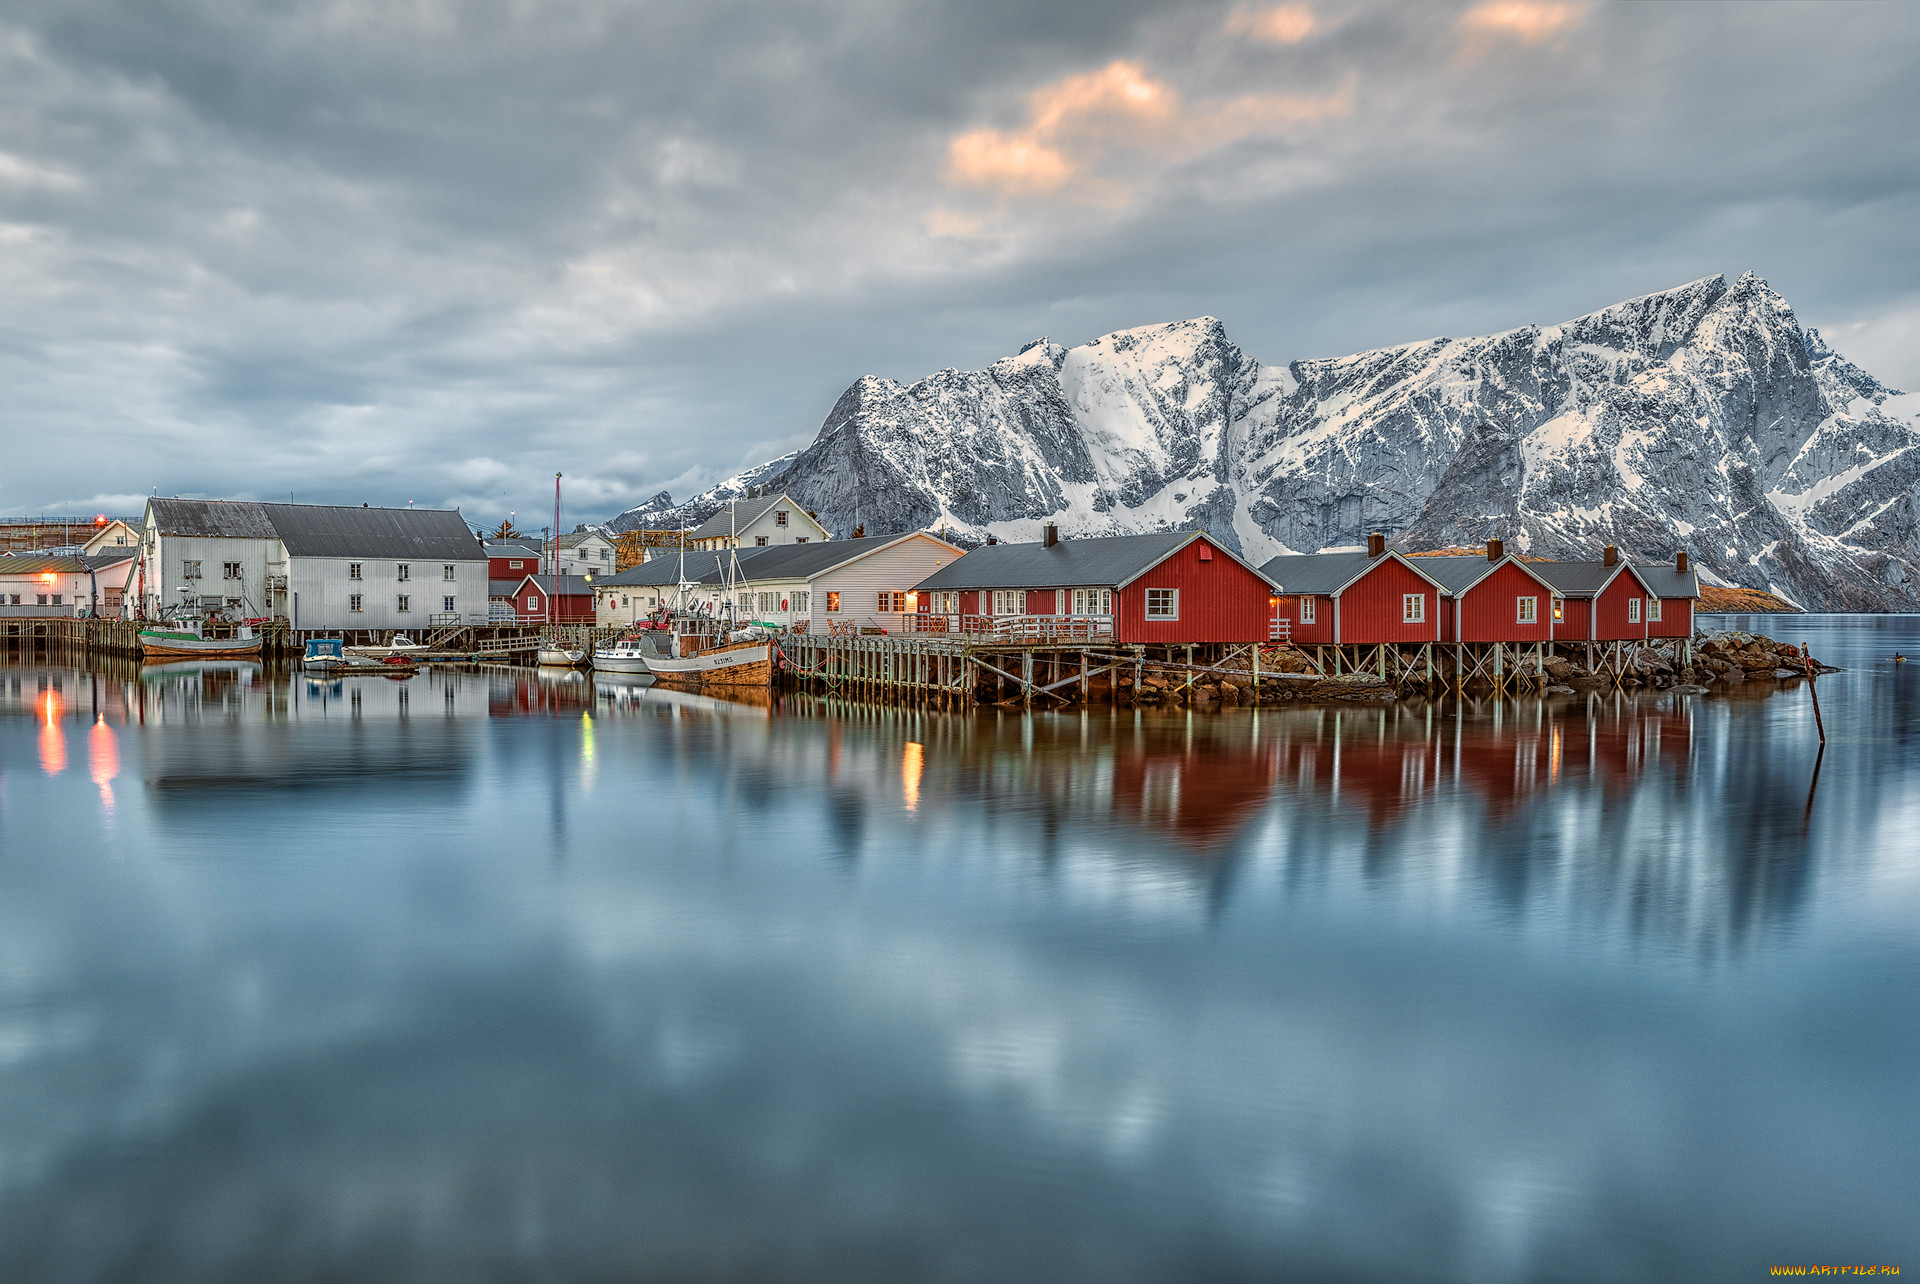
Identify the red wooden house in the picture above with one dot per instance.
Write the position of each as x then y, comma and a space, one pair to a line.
512, 560
1173, 587
1674, 591
1365, 598
1496, 598
571, 599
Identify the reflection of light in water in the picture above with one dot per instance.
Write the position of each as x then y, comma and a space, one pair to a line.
910, 764
1553, 760
586, 750
53, 739
103, 754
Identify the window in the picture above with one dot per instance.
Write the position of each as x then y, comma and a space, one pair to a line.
891, 601
230, 570
780, 517
1009, 602
759, 541
533, 601
769, 602
623, 600
1559, 610
515, 565
1653, 610
801, 540
353, 601
1633, 610
1163, 604
353, 570
403, 572
16, 599
800, 602
1308, 606
1413, 608
606, 555
1526, 610
1093, 601
446, 604
191, 570
746, 603
403, 603
232, 601
446, 572
833, 601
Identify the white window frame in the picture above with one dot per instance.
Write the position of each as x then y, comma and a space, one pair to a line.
190, 570
1559, 611
230, 570
446, 603
1633, 610
1169, 600
1413, 608
833, 601
446, 572
1653, 610
779, 517
403, 571
353, 603
353, 571
1526, 610
403, 603
1309, 609
1009, 602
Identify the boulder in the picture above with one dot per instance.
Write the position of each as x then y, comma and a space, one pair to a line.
1558, 668
1559, 689
1689, 688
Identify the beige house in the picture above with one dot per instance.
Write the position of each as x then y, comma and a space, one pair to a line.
115, 534
765, 522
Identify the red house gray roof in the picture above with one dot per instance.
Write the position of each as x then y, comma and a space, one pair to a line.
1106, 561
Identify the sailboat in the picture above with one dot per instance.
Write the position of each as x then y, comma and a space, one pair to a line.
715, 657
553, 652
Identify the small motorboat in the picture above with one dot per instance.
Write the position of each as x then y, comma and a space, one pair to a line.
323, 654
398, 644
626, 654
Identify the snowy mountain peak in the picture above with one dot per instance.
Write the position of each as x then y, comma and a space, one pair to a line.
1700, 417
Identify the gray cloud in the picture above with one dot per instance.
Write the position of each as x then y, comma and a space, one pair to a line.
440, 250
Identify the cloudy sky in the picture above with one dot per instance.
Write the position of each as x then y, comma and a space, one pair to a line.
432, 250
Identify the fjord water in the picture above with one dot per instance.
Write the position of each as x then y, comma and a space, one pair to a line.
491, 976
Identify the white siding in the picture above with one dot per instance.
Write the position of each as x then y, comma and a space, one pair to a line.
166, 556
896, 569
322, 590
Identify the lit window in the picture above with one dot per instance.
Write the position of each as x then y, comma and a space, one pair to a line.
1413, 608
353, 602
1163, 604
1307, 609
1633, 610
353, 570
1653, 610
892, 601
1559, 610
1527, 610
403, 572
403, 603
833, 601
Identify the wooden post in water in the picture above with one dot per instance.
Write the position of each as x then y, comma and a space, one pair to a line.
1806, 653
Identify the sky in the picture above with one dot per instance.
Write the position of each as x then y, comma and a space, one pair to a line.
436, 251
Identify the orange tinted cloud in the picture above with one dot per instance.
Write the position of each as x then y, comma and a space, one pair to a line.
1286, 24
1076, 121
1530, 22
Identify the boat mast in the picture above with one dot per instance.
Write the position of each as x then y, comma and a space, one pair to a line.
553, 567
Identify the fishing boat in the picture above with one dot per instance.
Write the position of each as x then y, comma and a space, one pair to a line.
625, 654
731, 665
187, 640
323, 654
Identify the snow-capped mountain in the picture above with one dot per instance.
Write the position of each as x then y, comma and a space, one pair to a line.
1703, 418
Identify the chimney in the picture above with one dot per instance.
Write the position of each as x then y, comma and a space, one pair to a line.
1609, 556
1495, 550
1680, 561
992, 540
1052, 536
1376, 544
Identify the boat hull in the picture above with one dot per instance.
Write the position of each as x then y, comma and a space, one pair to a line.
743, 664
619, 663
561, 659
158, 647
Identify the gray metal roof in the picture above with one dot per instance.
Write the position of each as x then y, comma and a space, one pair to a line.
326, 530
804, 561
1577, 579
1104, 561
213, 518
37, 563
504, 588
746, 512
1460, 573
1316, 573
1667, 582
665, 569
110, 556
512, 547
564, 585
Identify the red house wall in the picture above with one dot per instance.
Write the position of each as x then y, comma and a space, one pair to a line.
1487, 612
1371, 608
1612, 608
1041, 601
499, 568
1321, 630
1573, 623
1220, 601
1676, 618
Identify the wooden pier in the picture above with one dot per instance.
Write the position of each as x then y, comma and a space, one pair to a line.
451, 643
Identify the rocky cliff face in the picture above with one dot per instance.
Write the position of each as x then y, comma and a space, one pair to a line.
1703, 418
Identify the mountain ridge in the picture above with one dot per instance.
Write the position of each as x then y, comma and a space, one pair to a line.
1702, 417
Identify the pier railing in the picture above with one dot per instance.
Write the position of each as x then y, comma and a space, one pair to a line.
1012, 628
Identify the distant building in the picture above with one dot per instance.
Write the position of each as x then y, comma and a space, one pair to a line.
510, 559
316, 566
543, 599
758, 523
114, 534
582, 552
33, 584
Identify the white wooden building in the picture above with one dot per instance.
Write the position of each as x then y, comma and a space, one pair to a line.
581, 552
768, 521
316, 566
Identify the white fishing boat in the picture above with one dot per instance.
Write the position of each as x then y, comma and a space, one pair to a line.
628, 654
186, 640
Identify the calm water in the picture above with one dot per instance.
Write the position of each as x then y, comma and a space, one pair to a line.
481, 977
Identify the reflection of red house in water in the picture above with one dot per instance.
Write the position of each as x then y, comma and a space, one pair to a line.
1200, 797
